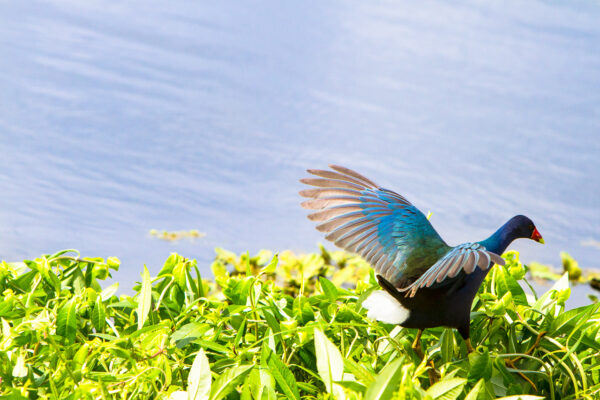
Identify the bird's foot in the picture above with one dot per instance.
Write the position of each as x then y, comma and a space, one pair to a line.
434, 375
416, 345
470, 348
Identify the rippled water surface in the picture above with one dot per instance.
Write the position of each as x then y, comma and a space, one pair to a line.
116, 118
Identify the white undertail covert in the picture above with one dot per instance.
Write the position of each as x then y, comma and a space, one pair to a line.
383, 307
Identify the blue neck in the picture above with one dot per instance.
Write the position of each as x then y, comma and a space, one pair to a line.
499, 240
496, 243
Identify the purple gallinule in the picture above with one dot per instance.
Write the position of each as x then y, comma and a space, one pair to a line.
426, 282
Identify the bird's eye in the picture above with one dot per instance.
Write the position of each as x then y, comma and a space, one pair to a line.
531, 226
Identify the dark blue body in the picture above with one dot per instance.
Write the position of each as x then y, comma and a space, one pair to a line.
449, 302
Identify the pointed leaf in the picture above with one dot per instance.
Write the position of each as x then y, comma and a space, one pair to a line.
66, 321
20, 369
386, 382
474, 393
109, 291
284, 377
144, 298
328, 288
545, 299
199, 379
481, 366
361, 374
261, 382
447, 344
506, 283
271, 266
330, 363
228, 380
447, 389
99, 315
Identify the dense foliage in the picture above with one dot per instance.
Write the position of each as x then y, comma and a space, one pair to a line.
272, 327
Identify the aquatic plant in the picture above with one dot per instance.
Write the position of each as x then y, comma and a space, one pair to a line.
277, 326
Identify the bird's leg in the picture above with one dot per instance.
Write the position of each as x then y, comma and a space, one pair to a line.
417, 344
470, 348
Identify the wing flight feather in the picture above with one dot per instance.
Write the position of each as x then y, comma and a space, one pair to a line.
387, 230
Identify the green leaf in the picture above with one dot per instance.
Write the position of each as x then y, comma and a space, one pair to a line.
546, 298
46, 271
170, 262
99, 315
188, 333
567, 320
387, 381
481, 366
261, 383
447, 343
501, 368
328, 288
271, 266
474, 393
66, 321
284, 377
271, 321
228, 380
20, 369
363, 375
113, 263
199, 379
144, 299
330, 363
521, 397
246, 391
302, 310
506, 283
219, 348
5, 329
107, 293
353, 386
447, 389
179, 272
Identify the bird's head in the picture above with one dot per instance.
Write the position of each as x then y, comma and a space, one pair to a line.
523, 227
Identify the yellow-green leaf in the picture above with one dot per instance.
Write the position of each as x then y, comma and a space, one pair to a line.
386, 382
199, 379
66, 321
144, 298
330, 363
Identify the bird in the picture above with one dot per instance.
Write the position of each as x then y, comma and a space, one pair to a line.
426, 283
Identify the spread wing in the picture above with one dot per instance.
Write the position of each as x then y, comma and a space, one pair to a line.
380, 225
387, 230
465, 257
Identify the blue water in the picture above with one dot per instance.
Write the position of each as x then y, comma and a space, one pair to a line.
117, 118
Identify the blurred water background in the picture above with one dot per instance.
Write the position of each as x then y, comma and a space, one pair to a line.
121, 117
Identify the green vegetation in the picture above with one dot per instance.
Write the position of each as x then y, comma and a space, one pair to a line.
177, 235
273, 327
571, 267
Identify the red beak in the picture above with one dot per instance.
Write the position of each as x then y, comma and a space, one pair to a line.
536, 236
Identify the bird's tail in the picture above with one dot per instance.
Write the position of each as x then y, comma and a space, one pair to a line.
382, 306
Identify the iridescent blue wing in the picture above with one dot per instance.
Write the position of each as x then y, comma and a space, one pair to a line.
387, 230
380, 225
